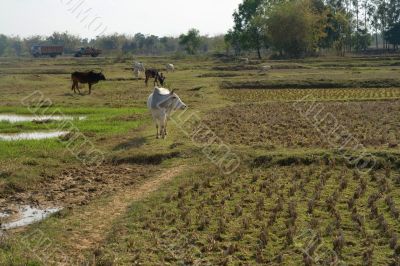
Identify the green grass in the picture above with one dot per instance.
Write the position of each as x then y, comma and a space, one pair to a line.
28, 157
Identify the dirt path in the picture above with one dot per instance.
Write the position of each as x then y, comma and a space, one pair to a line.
86, 229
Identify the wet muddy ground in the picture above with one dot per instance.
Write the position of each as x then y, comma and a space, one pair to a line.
74, 187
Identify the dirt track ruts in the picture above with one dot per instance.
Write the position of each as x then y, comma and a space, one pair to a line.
89, 235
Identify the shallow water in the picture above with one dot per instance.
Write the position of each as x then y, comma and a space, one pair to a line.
13, 118
28, 215
32, 136
4, 215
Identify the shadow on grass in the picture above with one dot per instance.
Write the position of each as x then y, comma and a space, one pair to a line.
144, 159
133, 143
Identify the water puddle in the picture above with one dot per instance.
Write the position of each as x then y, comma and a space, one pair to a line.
32, 136
13, 118
4, 215
28, 215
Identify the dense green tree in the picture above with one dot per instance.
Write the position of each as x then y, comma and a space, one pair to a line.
190, 41
362, 40
346, 25
233, 41
393, 35
248, 32
336, 27
294, 29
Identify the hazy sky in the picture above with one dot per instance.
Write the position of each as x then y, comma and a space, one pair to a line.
89, 18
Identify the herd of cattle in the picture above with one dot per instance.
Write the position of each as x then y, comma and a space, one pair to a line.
161, 102
91, 77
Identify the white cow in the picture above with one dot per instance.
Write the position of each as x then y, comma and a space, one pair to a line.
244, 60
138, 67
170, 67
265, 68
161, 104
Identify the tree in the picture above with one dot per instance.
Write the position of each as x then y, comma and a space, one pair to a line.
69, 41
362, 40
3, 43
294, 29
336, 27
191, 41
16, 44
248, 32
393, 35
232, 39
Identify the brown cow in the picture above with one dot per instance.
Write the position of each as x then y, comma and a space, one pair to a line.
90, 77
153, 73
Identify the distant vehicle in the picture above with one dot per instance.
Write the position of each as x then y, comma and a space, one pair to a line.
47, 50
88, 51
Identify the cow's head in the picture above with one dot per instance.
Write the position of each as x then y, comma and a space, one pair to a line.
170, 102
101, 76
176, 102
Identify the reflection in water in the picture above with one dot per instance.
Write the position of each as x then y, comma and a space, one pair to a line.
13, 118
4, 215
32, 136
28, 215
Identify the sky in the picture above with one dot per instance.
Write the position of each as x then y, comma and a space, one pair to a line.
90, 18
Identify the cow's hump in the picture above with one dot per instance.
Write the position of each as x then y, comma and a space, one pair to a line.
162, 91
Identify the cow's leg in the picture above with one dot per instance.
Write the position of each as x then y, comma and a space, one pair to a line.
74, 86
146, 80
163, 127
157, 136
77, 87
162, 132
90, 88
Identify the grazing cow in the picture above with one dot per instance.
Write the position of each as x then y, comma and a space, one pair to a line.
161, 104
90, 77
138, 67
245, 60
170, 68
265, 68
153, 73
136, 72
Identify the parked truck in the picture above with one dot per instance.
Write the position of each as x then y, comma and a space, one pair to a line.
88, 51
47, 50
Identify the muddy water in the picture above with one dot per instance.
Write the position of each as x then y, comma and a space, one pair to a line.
32, 136
13, 118
27, 215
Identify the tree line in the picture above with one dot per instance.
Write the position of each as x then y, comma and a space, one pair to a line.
288, 28
191, 42
294, 28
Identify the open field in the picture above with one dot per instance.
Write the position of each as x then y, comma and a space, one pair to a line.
281, 125
299, 196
